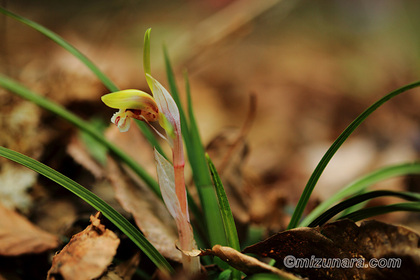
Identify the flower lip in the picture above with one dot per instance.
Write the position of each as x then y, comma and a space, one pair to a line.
121, 120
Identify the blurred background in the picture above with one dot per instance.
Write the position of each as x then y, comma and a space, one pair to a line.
313, 67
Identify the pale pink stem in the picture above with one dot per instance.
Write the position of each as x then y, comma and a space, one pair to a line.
186, 235
179, 163
168, 108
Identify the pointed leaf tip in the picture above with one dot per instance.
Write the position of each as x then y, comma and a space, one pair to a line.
146, 58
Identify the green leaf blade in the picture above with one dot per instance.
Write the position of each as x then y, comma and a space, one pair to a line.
304, 198
361, 184
146, 58
27, 94
88, 63
380, 210
327, 215
116, 218
226, 213
227, 216
196, 157
67, 46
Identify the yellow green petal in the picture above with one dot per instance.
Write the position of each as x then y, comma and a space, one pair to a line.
130, 99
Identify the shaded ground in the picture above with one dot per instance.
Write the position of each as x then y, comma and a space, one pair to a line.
312, 67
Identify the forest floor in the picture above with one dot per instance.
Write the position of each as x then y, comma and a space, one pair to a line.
311, 69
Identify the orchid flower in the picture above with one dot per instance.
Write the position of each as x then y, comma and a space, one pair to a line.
131, 103
160, 107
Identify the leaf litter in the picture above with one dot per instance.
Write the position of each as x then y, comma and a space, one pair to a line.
283, 87
148, 211
346, 240
87, 255
19, 236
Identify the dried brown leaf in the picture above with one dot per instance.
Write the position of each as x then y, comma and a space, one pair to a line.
342, 240
87, 255
123, 271
250, 199
134, 144
228, 150
78, 151
19, 236
149, 213
128, 268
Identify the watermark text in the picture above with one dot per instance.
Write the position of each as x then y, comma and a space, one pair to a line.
291, 261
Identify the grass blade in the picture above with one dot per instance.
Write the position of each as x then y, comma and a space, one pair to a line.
380, 210
184, 128
116, 218
63, 43
20, 90
304, 198
361, 184
87, 62
196, 157
227, 217
202, 178
327, 215
175, 95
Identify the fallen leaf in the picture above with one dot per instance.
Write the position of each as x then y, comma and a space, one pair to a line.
15, 181
244, 263
251, 200
134, 143
349, 251
78, 151
123, 271
56, 215
128, 268
87, 255
228, 150
21, 131
149, 213
111, 275
19, 236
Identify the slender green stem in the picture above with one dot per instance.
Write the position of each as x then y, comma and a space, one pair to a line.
304, 198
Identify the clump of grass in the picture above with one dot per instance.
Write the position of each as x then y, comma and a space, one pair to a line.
218, 225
